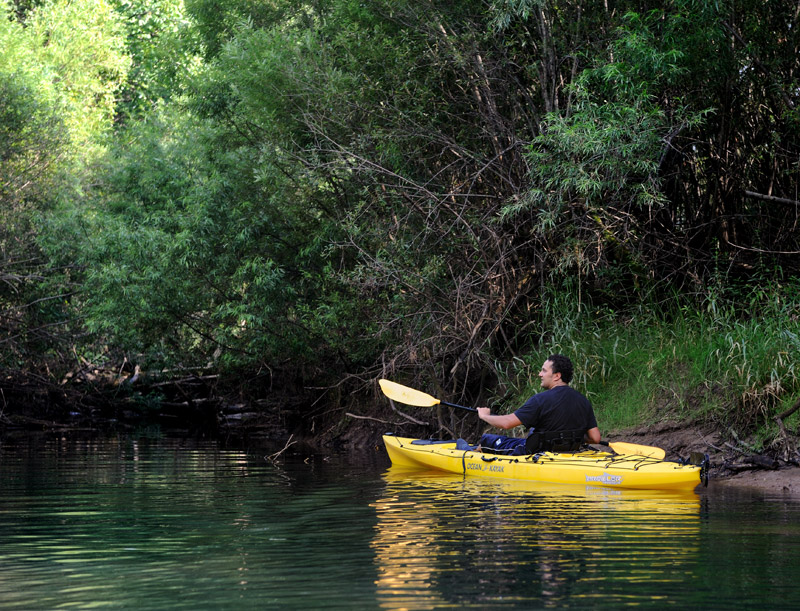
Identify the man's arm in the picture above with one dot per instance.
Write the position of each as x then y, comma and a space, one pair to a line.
508, 421
593, 435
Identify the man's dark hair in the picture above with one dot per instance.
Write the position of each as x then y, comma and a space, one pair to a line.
562, 365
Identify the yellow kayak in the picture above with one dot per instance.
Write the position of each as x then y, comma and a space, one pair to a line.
589, 466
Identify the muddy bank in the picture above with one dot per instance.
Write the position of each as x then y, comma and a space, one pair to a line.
732, 462
785, 480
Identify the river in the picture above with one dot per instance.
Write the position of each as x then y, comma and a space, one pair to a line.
156, 523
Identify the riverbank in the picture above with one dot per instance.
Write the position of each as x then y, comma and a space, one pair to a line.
731, 465
784, 481
274, 420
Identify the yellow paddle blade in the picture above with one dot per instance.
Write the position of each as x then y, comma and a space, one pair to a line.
404, 394
622, 447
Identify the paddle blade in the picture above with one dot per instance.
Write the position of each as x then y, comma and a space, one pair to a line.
404, 394
622, 447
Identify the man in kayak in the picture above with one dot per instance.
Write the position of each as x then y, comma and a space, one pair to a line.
559, 414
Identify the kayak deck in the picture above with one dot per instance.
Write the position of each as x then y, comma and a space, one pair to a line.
584, 467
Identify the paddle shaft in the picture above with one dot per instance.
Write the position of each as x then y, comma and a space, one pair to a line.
464, 407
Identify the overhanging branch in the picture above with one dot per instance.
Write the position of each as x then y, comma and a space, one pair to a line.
772, 198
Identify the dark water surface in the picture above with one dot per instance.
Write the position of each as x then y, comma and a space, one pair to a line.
184, 524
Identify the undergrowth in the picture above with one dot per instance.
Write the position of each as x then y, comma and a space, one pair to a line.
731, 362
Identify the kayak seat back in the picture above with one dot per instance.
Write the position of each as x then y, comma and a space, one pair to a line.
554, 441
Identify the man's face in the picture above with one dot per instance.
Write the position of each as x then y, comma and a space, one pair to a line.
547, 376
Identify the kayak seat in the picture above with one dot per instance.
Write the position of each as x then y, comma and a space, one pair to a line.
554, 441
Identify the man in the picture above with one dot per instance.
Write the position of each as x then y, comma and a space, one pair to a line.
560, 408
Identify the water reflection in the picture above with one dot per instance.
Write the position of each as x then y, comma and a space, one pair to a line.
443, 539
176, 524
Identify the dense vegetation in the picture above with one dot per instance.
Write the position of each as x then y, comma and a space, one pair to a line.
321, 194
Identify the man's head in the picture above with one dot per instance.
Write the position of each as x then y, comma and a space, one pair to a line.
557, 368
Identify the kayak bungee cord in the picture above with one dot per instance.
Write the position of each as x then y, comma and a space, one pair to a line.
619, 461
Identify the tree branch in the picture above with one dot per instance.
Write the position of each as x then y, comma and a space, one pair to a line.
772, 198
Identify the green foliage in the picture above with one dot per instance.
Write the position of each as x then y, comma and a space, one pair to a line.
217, 22
243, 211
32, 135
600, 162
59, 73
189, 259
164, 48
80, 46
356, 185
756, 356
70, 56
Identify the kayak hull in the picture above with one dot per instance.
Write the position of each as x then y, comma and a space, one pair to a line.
586, 467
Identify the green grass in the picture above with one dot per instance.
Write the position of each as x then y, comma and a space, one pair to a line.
732, 363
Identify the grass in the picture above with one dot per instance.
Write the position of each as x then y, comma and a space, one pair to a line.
733, 363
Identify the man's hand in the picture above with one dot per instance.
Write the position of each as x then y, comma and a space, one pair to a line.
509, 421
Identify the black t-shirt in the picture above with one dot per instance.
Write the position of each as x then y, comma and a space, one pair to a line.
558, 409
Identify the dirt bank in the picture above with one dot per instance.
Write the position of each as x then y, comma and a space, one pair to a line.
732, 464
784, 480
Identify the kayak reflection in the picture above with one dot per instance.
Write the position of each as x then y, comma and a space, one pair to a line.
444, 539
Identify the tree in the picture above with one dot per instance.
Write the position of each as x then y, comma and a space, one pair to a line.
354, 186
162, 43
596, 196
58, 76
645, 176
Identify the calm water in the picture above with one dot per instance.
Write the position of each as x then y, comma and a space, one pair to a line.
165, 524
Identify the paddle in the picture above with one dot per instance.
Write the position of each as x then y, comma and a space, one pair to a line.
409, 396
623, 447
